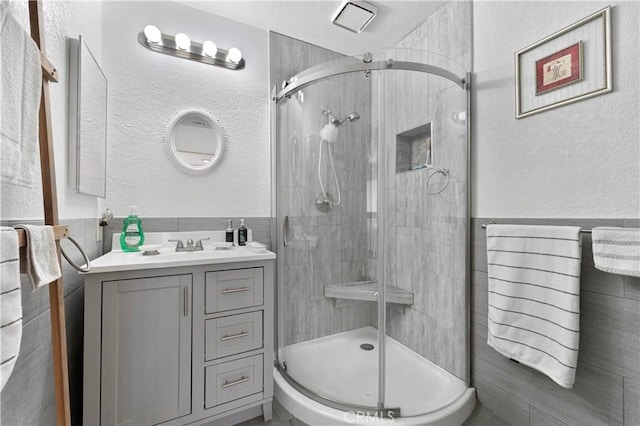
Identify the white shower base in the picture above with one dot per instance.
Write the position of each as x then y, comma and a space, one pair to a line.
336, 368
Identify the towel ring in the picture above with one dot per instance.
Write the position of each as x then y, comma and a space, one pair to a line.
444, 172
71, 262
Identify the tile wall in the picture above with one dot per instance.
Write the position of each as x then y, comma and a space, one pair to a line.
324, 247
426, 234
28, 398
608, 374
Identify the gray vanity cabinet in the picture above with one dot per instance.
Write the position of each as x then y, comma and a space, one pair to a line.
146, 350
179, 345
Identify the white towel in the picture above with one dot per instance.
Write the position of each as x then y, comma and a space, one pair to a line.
617, 250
19, 102
10, 303
534, 297
42, 264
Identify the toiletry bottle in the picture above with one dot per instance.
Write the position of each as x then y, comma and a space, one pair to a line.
228, 236
242, 233
132, 236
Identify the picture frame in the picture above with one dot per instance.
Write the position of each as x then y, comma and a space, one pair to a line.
568, 66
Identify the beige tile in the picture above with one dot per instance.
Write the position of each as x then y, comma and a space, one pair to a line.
596, 397
479, 297
509, 408
631, 401
542, 418
610, 333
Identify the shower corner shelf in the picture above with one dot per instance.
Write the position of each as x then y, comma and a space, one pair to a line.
368, 291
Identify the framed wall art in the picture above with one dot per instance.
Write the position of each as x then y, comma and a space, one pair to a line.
565, 67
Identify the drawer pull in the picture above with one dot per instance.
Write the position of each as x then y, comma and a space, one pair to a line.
235, 336
235, 382
235, 290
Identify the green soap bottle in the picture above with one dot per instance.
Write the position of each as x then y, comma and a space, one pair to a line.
132, 237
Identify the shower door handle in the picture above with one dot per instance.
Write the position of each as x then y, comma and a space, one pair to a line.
285, 231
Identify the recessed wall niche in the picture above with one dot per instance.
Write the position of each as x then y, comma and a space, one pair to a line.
414, 148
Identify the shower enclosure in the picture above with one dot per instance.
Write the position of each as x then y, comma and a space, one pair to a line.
371, 233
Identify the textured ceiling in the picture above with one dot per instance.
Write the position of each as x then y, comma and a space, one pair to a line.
311, 21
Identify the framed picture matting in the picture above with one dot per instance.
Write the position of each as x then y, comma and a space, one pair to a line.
565, 67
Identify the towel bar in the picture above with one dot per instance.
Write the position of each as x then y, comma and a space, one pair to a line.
59, 232
484, 226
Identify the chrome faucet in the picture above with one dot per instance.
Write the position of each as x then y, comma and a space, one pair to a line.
190, 245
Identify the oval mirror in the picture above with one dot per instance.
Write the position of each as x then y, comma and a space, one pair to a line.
195, 141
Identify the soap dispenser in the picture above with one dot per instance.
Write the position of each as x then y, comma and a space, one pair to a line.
132, 236
242, 233
228, 236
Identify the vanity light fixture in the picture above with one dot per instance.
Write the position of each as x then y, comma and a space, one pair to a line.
234, 55
182, 41
181, 46
209, 48
152, 33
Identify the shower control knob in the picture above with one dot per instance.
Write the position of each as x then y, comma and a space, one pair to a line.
367, 57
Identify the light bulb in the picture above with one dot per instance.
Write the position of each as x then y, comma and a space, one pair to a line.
209, 48
234, 55
182, 41
152, 33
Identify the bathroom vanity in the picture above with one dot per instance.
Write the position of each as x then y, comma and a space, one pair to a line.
179, 338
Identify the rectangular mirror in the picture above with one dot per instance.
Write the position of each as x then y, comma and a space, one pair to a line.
87, 122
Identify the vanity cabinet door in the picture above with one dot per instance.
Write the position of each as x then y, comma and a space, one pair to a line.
146, 350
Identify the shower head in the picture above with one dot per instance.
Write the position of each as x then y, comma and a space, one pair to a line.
351, 117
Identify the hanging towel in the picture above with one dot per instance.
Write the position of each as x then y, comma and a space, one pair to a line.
10, 303
617, 250
534, 297
19, 102
42, 264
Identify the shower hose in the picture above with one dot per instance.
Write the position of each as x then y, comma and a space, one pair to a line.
333, 171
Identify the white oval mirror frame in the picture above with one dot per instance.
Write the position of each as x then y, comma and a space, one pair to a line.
212, 148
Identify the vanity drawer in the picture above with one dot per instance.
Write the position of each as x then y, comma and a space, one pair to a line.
232, 380
232, 335
233, 289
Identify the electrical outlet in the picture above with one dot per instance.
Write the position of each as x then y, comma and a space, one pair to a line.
99, 230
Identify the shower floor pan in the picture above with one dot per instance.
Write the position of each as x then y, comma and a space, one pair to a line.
335, 367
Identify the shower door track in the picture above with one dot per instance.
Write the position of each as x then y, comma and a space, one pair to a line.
371, 66
388, 413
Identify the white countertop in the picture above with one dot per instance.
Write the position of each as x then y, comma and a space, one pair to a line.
116, 261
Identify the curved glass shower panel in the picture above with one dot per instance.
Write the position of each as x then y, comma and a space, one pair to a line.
425, 147
372, 233
322, 166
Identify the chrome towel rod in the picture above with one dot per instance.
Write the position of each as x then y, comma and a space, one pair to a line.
584, 231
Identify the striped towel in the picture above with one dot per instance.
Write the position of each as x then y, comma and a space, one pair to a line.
617, 250
534, 297
10, 303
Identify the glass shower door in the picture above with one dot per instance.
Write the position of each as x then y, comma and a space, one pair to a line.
327, 336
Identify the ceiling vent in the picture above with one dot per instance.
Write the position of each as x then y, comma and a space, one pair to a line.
354, 15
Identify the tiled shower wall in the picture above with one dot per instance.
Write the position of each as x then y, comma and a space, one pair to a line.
426, 233
324, 248
28, 397
606, 390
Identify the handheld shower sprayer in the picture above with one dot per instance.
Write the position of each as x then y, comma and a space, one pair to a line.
329, 134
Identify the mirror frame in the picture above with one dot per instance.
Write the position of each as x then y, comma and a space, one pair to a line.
77, 49
170, 147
